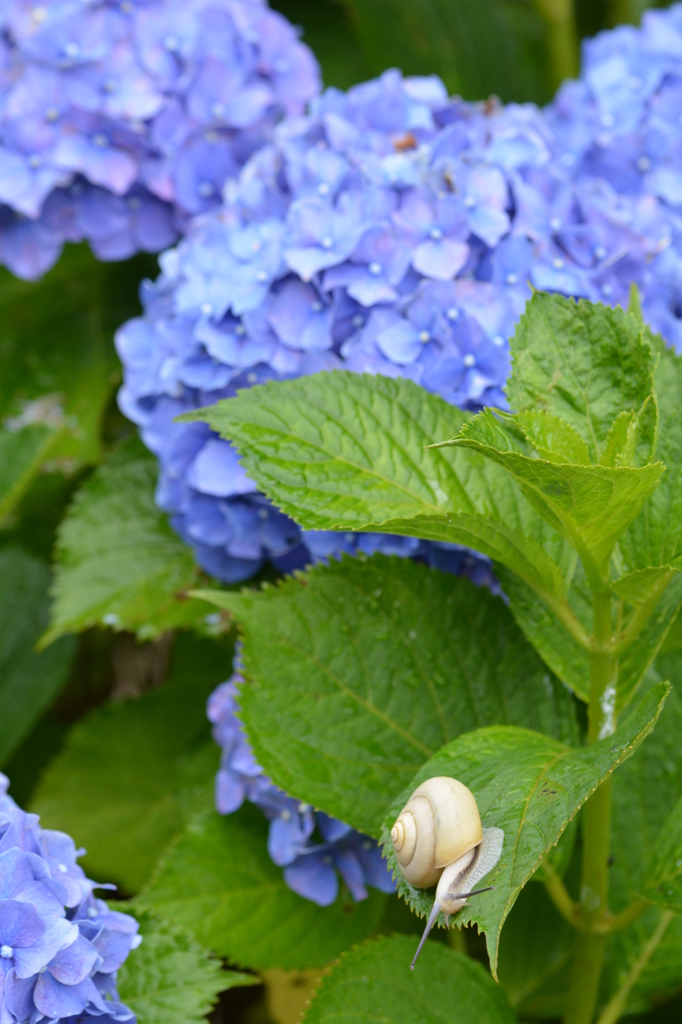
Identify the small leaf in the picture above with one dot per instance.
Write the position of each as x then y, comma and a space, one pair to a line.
530, 786
22, 453
553, 438
132, 774
590, 505
358, 671
170, 979
643, 584
581, 361
219, 882
372, 982
655, 537
118, 561
345, 451
29, 681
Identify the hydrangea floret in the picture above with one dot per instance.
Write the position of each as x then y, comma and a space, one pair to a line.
60, 946
313, 849
121, 120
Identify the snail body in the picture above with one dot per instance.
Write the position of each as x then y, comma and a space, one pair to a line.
438, 840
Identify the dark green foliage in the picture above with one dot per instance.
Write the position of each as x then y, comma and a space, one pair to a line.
132, 774
29, 681
218, 881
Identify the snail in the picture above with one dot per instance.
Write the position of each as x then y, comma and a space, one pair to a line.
438, 839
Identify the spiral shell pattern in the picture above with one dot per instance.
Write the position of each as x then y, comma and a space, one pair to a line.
438, 824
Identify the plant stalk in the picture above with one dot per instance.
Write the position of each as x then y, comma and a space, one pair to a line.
594, 890
562, 38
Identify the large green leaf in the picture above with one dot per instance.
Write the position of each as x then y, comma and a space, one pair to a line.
536, 944
497, 49
372, 983
118, 561
132, 774
662, 882
568, 659
530, 786
170, 979
346, 451
360, 670
56, 345
590, 505
582, 362
218, 882
22, 453
29, 681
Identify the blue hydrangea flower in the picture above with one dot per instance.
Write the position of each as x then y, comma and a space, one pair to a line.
619, 132
313, 849
391, 230
118, 121
60, 946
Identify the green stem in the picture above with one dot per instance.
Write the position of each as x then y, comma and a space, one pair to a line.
562, 38
572, 911
615, 1007
559, 895
616, 922
594, 891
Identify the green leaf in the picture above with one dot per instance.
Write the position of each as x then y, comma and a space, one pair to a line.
530, 786
590, 505
218, 882
498, 50
536, 944
22, 453
132, 774
663, 876
568, 659
373, 983
583, 362
56, 346
345, 451
170, 979
358, 671
29, 681
119, 563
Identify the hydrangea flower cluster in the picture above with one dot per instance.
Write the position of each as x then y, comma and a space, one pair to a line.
391, 230
60, 946
119, 120
618, 132
313, 849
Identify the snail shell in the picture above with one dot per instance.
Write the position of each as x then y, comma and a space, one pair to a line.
438, 825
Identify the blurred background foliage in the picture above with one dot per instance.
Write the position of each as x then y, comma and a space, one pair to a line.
143, 700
